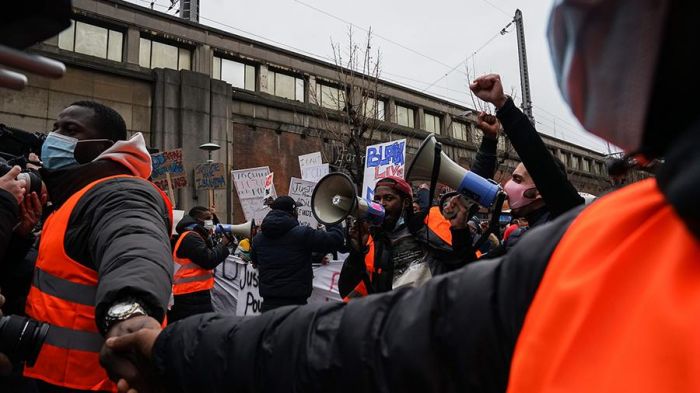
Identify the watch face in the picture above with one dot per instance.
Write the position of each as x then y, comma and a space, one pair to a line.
120, 309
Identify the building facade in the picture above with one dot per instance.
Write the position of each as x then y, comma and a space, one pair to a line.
183, 84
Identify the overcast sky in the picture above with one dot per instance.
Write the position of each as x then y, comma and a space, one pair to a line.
420, 42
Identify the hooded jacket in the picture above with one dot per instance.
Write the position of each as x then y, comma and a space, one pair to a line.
282, 253
119, 228
196, 248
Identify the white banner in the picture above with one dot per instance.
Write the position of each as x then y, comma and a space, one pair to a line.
236, 286
382, 160
250, 187
301, 191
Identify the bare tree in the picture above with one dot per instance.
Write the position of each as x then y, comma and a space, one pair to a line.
350, 106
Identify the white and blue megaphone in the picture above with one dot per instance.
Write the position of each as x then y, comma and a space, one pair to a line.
480, 190
335, 198
243, 231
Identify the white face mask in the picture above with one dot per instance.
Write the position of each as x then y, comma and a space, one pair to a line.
209, 225
604, 54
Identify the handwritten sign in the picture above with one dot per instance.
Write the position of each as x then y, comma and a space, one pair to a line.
168, 162
315, 173
382, 160
249, 299
250, 187
301, 191
312, 159
210, 176
269, 184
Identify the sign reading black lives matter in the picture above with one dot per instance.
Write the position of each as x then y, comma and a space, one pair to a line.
210, 176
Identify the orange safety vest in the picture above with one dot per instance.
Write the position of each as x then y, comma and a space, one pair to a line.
618, 308
435, 222
190, 277
63, 295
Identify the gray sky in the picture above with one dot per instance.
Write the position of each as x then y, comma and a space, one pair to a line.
420, 42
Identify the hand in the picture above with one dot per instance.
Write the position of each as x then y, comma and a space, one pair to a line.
5, 364
456, 208
488, 124
127, 352
358, 233
10, 183
489, 88
29, 214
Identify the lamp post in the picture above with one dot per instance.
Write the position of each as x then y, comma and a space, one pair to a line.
210, 147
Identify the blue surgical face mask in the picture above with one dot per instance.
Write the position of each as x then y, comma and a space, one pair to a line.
57, 151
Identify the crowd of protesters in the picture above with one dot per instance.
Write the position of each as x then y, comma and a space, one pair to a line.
558, 297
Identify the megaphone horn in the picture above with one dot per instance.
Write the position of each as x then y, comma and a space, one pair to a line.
244, 230
335, 198
469, 184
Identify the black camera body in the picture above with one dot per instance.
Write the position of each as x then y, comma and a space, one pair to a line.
15, 147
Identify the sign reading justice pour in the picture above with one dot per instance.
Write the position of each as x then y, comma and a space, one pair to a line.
382, 160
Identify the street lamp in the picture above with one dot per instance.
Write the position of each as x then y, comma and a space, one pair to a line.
209, 147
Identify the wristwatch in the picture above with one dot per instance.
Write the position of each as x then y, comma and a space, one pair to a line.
122, 311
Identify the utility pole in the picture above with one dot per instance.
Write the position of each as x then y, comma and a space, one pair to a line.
526, 105
189, 9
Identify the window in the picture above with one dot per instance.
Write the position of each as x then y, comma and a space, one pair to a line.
585, 166
330, 97
154, 54
432, 123
459, 131
405, 116
92, 40
374, 108
238, 74
286, 86
573, 162
564, 158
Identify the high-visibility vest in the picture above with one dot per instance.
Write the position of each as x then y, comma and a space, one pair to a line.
63, 295
190, 277
618, 307
435, 223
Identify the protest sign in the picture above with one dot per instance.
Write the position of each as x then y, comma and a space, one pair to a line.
325, 284
301, 191
269, 183
382, 160
309, 160
249, 300
314, 173
250, 187
210, 176
167, 167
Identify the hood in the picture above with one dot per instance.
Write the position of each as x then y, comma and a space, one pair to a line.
277, 223
186, 221
132, 154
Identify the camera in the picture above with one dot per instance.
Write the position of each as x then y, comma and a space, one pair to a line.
15, 147
21, 338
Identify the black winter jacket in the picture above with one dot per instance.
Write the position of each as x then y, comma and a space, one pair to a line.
196, 248
282, 253
9, 211
121, 229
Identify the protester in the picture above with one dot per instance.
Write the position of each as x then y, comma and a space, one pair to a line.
282, 253
604, 299
539, 189
195, 256
104, 254
401, 253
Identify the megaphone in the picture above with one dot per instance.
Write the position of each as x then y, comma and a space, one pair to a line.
335, 198
469, 184
244, 230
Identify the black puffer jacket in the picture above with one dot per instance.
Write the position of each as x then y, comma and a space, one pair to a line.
195, 247
121, 229
282, 253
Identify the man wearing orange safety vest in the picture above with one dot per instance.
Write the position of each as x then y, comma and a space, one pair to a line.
408, 249
104, 252
602, 299
195, 256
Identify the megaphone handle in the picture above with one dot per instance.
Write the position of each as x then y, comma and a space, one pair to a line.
497, 207
436, 172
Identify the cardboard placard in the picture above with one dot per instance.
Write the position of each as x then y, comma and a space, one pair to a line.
210, 176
